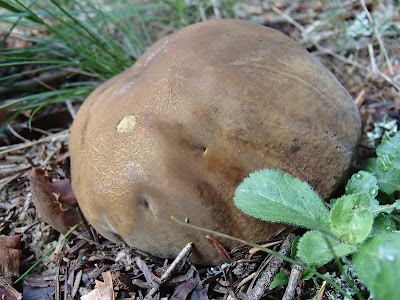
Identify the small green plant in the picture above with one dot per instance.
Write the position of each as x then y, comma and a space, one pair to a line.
363, 222
84, 42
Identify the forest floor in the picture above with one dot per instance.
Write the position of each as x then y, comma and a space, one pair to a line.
364, 57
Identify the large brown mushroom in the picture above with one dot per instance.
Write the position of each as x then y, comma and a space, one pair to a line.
201, 109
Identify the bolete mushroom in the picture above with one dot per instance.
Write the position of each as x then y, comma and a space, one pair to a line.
200, 110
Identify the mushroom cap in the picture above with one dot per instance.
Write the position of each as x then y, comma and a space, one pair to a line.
176, 133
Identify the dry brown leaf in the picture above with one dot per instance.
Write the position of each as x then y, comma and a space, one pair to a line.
103, 290
44, 195
10, 255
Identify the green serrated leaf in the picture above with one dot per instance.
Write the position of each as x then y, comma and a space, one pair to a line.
274, 196
280, 278
362, 183
386, 172
315, 248
389, 146
386, 167
378, 265
383, 224
351, 221
376, 209
293, 249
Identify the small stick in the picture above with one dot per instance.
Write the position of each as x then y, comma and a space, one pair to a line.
16, 133
70, 108
294, 279
181, 256
273, 268
267, 245
289, 19
355, 64
30, 144
216, 10
360, 98
245, 280
8, 180
378, 37
57, 281
76, 284
372, 58
321, 291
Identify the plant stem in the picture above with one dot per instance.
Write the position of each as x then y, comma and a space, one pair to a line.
269, 251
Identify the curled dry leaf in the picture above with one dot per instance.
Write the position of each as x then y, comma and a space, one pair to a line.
47, 195
10, 255
103, 291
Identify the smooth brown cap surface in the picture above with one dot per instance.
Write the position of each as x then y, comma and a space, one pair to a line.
201, 109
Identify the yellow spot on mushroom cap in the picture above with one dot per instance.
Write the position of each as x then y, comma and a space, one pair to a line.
127, 124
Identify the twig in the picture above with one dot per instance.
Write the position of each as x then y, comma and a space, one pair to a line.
372, 58
8, 180
355, 64
16, 134
321, 291
294, 279
76, 284
378, 37
289, 19
181, 256
50, 155
70, 108
273, 268
69, 280
267, 245
342, 58
359, 100
202, 12
11, 169
269, 251
57, 253
258, 272
57, 281
42, 79
151, 279
30, 144
245, 280
89, 228
216, 10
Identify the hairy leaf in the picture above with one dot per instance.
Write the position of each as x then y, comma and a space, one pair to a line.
316, 248
351, 221
389, 146
386, 167
378, 265
274, 196
362, 183
376, 209
383, 224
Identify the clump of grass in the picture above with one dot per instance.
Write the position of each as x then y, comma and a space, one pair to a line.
86, 41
